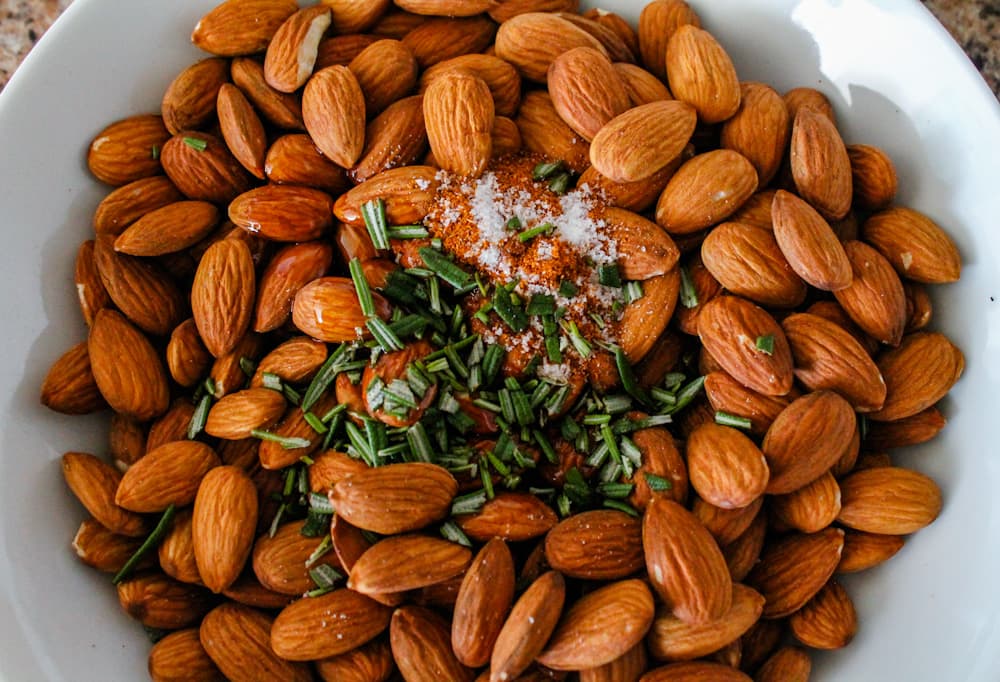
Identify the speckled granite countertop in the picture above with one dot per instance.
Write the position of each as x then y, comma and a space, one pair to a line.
974, 23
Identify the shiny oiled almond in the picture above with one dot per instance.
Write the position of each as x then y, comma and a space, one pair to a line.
875, 300
238, 27
459, 115
644, 249
532, 41
226, 374
222, 295
866, 550
915, 245
327, 309
396, 137
747, 261
600, 627
330, 467
283, 212
396, 498
289, 270
282, 109
294, 361
889, 501
128, 203
407, 562
242, 129
706, 287
671, 639
295, 160
728, 395
294, 425
346, 618
189, 101
291, 53
70, 387
167, 475
408, 194
202, 167
160, 602
233, 634
820, 165
528, 627
168, 229
225, 518
484, 598
126, 368
644, 320
514, 517
422, 648
99, 548
660, 457
726, 467
685, 565
544, 132
238, 414
386, 71
792, 570
596, 545
128, 150
369, 663
333, 109
811, 247
585, 90
621, 154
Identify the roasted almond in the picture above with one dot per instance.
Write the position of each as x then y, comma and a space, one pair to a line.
726, 525
222, 295
295, 160
442, 38
180, 657
283, 212
787, 664
792, 570
223, 526
346, 618
288, 271
238, 27
189, 101
293, 426
291, 53
610, 38
396, 137
128, 150
621, 154
820, 165
644, 249
482, 604
333, 109
701, 73
128, 203
532, 41
602, 544
422, 647
695, 671
725, 467
294, 361
866, 550
514, 517
459, 115
728, 395
369, 663
167, 475
242, 129
809, 244
356, 16
407, 562
172, 425
282, 109
915, 245
330, 467
160, 602
705, 190
386, 71
759, 130
585, 90
233, 634
327, 309
528, 627
889, 501
644, 320
202, 167
99, 548
408, 194
544, 132
238, 414
176, 550
126, 368
168, 229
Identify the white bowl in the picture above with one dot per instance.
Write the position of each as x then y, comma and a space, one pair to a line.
896, 79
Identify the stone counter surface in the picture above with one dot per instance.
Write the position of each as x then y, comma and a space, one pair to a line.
974, 23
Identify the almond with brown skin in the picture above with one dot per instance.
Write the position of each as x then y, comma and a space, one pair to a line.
128, 150
238, 27
585, 90
640, 85
701, 73
283, 212
889, 501
875, 300
396, 137
630, 196
407, 562
806, 439
327, 309
612, 42
421, 647
169, 229
747, 261
874, 176
514, 517
695, 671
144, 292
528, 627
600, 627
918, 428
742, 553
294, 361
915, 245
484, 598
660, 457
126, 441
330, 467
180, 657
396, 23
222, 295
820, 165
126, 368
726, 468
233, 634
828, 358
293, 425
671, 639
627, 668
242, 129
827, 621
811, 247
279, 108
832, 311
187, 357
443, 38
644, 320
288, 271
172, 425
729, 328
788, 664
726, 525
508, 9
291, 53
644, 249
225, 518
603, 544
369, 663
128, 203
812, 507
728, 395
202, 168
502, 78
658, 21
160, 602
99, 548
176, 550
685, 565
459, 115
386, 71
448, 8
624, 156
395, 498
247, 591
760, 129
622, 28
167, 475
545, 133
866, 550
189, 101
238, 414
295, 160
333, 108
349, 543
792, 570
756, 210
347, 619
706, 287
532, 41
70, 387
408, 194
356, 16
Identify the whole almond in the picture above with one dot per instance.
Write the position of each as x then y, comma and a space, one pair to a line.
233, 634
726, 525
508, 9
915, 245
94, 483
295, 160
671, 639
222, 295
706, 288
459, 115
866, 550
329, 467
760, 130
812, 507
658, 21
407, 562
630, 196
349, 543
483, 600
820, 165
396, 137
644, 249
917, 428
288, 271
450, 8
176, 551
875, 300
238, 27
126, 368
613, 43
705, 190
283, 212
294, 361
168, 229
279, 108
695, 671
544, 132
602, 544
327, 309
408, 194
747, 261
160, 602
333, 108
189, 101
827, 621
99, 548
729, 328
443, 38
346, 618
128, 203
172, 425
202, 167
369, 663
356, 16
586, 90
873, 175
728, 395
514, 517
293, 425
70, 387
621, 154
422, 648
502, 78
828, 358
291, 53
528, 627
396, 498
180, 657
167, 475
225, 518
641, 86
889, 501
792, 570
532, 41
600, 627
236, 415
811, 247
128, 150
242, 129
726, 468
685, 565
701, 73
386, 71
788, 664
644, 320
187, 357
806, 439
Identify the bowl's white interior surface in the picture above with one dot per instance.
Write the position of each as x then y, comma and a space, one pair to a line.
896, 80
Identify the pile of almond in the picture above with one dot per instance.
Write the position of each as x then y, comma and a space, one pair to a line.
801, 297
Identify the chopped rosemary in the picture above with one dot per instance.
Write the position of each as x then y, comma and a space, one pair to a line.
688, 294
726, 419
200, 416
568, 289
765, 344
656, 483
444, 268
470, 503
609, 275
408, 232
560, 183
514, 223
373, 213
287, 442
195, 143
149, 543
451, 531
155, 152
544, 171
364, 292
528, 235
